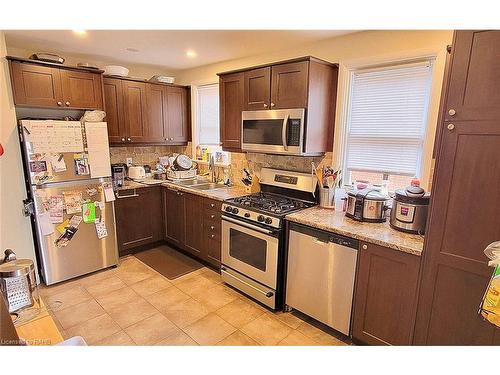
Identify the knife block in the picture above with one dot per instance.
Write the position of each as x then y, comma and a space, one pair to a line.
255, 187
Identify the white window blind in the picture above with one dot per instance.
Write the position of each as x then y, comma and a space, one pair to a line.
388, 119
208, 114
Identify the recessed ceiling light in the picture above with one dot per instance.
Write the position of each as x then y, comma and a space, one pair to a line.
190, 53
132, 49
80, 32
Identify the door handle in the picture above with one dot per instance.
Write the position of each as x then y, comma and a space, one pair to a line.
246, 225
126, 196
267, 294
283, 132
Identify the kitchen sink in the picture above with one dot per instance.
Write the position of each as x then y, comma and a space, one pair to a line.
193, 182
207, 186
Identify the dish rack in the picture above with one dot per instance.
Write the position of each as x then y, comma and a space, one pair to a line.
181, 175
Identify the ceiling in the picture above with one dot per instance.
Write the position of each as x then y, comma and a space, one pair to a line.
166, 48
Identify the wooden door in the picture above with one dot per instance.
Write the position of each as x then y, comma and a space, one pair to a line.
257, 89
35, 85
113, 98
473, 92
82, 89
289, 85
176, 217
194, 224
385, 296
156, 115
134, 110
136, 217
231, 94
177, 114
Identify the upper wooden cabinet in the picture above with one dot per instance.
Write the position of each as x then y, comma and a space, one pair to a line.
37, 84
257, 89
385, 297
305, 82
231, 98
146, 113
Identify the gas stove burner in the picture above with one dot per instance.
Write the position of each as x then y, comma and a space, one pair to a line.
268, 202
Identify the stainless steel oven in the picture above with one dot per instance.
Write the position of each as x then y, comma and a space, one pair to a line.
250, 258
279, 131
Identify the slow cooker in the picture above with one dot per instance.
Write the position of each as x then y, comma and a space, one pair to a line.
366, 205
409, 210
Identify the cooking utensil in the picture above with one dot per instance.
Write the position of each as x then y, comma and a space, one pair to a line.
183, 162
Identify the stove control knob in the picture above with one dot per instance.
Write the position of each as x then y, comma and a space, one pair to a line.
269, 220
247, 214
228, 209
261, 218
235, 210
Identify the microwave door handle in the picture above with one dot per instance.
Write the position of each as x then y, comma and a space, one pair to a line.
283, 132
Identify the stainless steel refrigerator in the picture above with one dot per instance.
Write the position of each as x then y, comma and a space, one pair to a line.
71, 208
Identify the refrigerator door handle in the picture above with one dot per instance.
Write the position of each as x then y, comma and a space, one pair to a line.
28, 207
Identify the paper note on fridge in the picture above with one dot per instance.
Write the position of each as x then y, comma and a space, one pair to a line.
109, 194
73, 202
54, 136
46, 227
56, 207
98, 149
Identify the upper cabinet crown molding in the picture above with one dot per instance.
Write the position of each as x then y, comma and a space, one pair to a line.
305, 82
40, 84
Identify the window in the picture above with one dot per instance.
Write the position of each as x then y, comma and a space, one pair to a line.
208, 114
387, 122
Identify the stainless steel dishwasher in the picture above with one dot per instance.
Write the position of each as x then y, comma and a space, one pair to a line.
320, 275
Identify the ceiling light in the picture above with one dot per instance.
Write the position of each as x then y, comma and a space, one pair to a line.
190, 53
80, 32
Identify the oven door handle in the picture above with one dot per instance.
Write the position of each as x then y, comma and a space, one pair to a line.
267, 294
283, 132
246, 225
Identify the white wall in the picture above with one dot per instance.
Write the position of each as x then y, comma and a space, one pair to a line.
355, 50
15, 229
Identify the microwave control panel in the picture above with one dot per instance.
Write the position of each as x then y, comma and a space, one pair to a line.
293, 136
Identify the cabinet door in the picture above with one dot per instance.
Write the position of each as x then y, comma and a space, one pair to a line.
175, 215
231, 89
257, 89
35, 85
113, 98
177, 114
385, 296
289, 85
194, 224
156, 115
81, 89
473, 92
138, 218
134, 110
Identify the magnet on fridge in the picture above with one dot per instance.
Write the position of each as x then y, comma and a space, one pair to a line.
101, 229
88, 212
61, 228
38, 166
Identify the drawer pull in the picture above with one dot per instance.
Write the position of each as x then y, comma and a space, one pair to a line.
364, 247
212, 205
212, 216
212, 236
212, 227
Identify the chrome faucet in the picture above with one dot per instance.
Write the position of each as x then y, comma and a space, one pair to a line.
211, 167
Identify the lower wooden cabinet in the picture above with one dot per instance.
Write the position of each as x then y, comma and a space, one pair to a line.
138, 216
194, 223
385, 296
175, 216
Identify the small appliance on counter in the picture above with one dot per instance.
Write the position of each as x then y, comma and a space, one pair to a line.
409, 210
367, 205
137, 172
17, 282
118, 174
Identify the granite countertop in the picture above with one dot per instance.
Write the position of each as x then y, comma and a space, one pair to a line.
377, 233
218, 194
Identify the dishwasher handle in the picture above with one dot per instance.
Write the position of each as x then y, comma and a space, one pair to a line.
322, 237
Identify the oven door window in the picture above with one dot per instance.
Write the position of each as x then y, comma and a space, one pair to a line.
248, 249
263, 132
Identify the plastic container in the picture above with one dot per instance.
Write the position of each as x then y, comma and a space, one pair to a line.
340, 196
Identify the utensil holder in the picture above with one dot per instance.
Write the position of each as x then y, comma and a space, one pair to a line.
326, 197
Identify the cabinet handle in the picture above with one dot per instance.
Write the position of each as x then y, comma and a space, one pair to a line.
212, 236
59, 104
171, 139
364, 247
451, 127
212, 205
128, 139
123, 139
265, 105
67, 104
272, 104
212, 216
452, 112
212, 227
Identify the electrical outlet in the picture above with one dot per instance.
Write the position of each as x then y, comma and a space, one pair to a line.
129, 162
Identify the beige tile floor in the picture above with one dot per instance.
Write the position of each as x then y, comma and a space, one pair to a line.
134, 305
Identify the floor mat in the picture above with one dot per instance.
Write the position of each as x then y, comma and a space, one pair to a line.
169, 262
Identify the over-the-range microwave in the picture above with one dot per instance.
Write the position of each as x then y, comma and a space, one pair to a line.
278, 131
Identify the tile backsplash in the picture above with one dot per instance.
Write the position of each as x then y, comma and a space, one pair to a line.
142, 155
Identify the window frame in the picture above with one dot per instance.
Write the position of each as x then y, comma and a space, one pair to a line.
195, 115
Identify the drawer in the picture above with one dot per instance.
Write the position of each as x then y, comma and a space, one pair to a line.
212, 234
211, 205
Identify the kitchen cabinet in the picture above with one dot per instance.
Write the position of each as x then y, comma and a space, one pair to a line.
455, 273
146, 113
257, 89
231, 98
138, 215
194, 224
175, 217
305, 82
385, 296
37, 84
